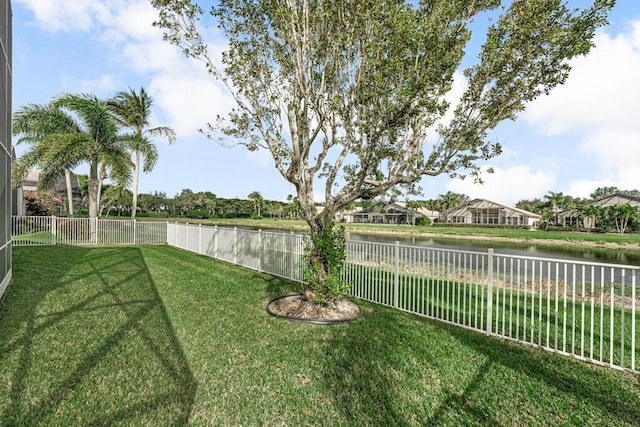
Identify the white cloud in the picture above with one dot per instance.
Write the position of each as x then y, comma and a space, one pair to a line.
599, 104
506, 185
188, 102
67, 15
104, 85
185, 95
602, 90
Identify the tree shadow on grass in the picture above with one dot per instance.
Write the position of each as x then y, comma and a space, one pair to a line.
277, 286
378, 372
601, 388
85, 338
391, 368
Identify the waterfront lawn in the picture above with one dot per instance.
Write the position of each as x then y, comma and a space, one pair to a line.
159, 336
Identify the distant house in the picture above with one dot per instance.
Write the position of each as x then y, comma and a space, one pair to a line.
572, 218
388, 213
59, 187
482, 211
422, 211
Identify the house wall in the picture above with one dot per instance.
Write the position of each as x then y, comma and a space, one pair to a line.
487, 213
5, 145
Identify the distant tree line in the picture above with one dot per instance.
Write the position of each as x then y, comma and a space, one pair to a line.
117, 202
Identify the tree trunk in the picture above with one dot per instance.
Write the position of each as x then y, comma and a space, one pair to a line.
67, 178
93, 209
94, 200
317, 259
134, 200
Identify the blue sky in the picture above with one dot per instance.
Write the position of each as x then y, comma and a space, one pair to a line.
584, 135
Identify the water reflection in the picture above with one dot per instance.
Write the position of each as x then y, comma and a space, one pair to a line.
570, 252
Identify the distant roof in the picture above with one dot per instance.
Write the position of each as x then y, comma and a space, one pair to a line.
476, 203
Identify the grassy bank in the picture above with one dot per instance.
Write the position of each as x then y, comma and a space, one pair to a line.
541, 237
158, 336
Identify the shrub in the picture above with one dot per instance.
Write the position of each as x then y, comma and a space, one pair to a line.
197, 213
423, 220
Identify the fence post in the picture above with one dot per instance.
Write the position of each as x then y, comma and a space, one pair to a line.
54, 228
215, 241
292, 263
260, 250
200, 239
97, 230
396, 280
489, 324
134, 231
235, 245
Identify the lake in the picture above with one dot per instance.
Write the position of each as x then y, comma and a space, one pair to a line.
570, 252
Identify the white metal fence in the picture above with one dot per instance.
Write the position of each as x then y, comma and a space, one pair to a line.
51, 230
585, 310
279, 254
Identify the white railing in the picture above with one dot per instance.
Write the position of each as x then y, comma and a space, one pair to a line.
585, 310
278, 254
51, 230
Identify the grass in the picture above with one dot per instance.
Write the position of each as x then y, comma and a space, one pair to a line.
537, 236
518, 312
38, 237
158, 336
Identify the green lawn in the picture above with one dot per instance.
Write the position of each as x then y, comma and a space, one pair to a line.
518, 312
158, 336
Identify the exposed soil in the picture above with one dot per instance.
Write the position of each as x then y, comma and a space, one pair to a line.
298, 307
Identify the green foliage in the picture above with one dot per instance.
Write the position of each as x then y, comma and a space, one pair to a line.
423, 220
42, 203
153, 214
345, 95
132, 110
81, 211
197, 213
325, 256
69, 131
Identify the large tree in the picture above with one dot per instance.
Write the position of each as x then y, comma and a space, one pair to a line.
350, 95
91, 137
133, 110
34, 123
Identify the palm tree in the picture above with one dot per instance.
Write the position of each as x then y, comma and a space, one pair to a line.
90, 137
558, 202
258, 201
133, 110
451, 200
34, 123
622, 214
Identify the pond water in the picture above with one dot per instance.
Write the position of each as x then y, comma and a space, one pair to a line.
570, 252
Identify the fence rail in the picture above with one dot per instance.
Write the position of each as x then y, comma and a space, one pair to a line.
51, 230
580, 309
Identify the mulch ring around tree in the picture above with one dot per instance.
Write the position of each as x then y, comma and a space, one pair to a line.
298, 308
